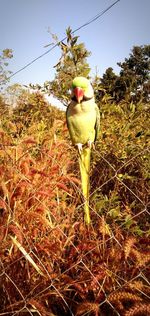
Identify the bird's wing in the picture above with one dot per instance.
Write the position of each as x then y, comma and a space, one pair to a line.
68, 122
67, 117
97, 123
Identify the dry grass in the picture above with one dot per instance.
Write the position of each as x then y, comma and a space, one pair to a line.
51, 262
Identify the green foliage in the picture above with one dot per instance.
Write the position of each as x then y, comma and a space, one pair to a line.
135, 72
12, 94
133, 82
4, 73
72, 63
4, 109
33, 109
108, 80
121, 165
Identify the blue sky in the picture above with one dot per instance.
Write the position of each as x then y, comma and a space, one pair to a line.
24, 27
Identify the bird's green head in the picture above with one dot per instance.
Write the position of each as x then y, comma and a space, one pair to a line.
81, 89
80, 82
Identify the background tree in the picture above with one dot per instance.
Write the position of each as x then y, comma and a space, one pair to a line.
4, 109
135, 72
13, 92
133, 81
104, 87
6, 54
73, 62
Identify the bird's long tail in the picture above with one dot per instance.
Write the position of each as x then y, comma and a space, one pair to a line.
84, 163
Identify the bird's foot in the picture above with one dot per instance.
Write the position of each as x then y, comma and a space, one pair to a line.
93, 145
90, 144
79, 145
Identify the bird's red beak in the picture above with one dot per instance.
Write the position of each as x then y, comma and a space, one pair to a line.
78, 94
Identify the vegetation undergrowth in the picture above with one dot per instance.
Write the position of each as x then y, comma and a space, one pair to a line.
51, 263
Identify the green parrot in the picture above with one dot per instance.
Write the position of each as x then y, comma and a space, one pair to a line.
83, 120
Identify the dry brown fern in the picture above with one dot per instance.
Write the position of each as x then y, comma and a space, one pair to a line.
88, 307
122, 295
128, 246
145, 258
39, 308
16, 231
104, 228
137, 255
135, 285
139, 310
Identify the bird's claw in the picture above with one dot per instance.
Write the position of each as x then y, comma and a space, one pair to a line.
79, 145
90, 144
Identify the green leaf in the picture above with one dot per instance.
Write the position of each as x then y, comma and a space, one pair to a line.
115, 212
128, 221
